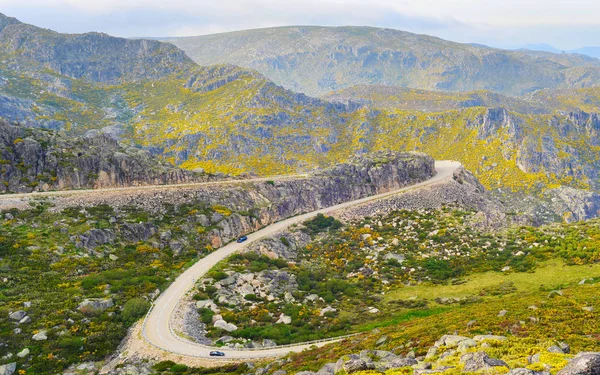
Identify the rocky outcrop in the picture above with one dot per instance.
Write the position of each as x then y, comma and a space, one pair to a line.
39, 160
583, 364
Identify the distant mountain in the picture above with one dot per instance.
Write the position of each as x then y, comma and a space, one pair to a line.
589, 51
542, 47
317, 60
430, 101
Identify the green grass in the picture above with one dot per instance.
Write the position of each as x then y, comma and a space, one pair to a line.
549, 275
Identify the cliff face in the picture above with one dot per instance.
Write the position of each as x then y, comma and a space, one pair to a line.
254, 205
41, 160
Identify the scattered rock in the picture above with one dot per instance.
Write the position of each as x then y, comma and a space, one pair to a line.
480, 361
23, 353
502, 313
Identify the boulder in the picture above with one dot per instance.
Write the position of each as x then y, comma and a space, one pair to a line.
8, 369
95, 304
17, 315
450, 341
401, 362
382, 340
586, 363
327, 369
229, 327
489, 338
40, 336
268, 343
480, 361
526, 371
555, 349
25, 320
355, 365
284, 319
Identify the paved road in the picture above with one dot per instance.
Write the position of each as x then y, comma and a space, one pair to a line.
156, 328
144, 187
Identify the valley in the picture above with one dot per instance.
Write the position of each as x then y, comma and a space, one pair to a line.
303, 200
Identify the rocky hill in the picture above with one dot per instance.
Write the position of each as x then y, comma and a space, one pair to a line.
394, 97
316, 60
94, 56
42, 160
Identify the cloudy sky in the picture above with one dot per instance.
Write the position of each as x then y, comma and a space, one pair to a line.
566, 24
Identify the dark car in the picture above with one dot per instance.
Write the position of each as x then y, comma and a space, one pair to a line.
216, 353
242, 239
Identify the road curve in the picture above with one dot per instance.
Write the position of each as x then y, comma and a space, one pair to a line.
156, 326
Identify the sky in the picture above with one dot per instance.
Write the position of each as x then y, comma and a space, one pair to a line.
565, 24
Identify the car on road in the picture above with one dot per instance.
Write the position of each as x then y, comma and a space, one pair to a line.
242, 239
216, 353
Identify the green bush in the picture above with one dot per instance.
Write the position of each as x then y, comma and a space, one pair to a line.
134, 309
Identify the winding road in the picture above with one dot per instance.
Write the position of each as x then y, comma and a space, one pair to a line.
156, 328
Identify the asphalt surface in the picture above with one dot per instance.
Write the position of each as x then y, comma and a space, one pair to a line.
156, 327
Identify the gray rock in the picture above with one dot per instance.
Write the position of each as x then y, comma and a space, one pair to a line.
95, 304
25, 320
586, 363
268, 343
94, 238
280, 372
382, 340
401, 362
525, 371
489, 337
40, 336
555, 349
17, 315
566, 348
8, 369
480, 361
535, 358
450, 341
305, 373
502, 313
327, 369
229, 327
23, 353
355, 365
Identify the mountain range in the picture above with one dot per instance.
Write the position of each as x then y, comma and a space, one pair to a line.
317, 60
232, 119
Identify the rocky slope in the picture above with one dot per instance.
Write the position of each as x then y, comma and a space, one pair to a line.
316, 60
41, 160
94, 56
394, 97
